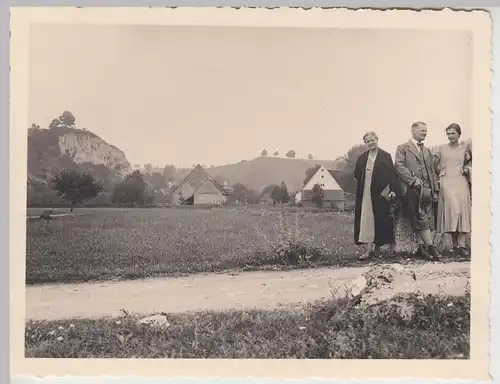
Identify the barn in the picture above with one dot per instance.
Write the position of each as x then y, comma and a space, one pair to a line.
334, 196
199, 188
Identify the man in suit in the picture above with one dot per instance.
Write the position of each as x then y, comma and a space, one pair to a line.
419, 187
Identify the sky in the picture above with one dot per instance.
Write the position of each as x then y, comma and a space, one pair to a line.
218, 95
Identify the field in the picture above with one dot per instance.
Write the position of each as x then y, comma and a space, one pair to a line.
136, 243
437, 328
107, 244
125, 244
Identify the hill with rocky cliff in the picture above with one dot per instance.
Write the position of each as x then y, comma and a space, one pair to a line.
63, 146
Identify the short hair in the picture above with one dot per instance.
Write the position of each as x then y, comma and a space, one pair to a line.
416, 124
371, 133
454, 126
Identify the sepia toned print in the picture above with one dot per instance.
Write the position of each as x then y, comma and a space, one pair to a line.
243, 190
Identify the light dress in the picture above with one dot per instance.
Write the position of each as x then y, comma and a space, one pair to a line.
367, 220
454, 205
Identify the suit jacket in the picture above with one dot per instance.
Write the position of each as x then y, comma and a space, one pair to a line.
409, 166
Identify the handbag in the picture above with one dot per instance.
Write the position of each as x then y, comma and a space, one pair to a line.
386, 192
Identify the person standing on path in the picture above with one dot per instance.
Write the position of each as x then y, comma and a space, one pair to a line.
375, 175
452, 163
415, 168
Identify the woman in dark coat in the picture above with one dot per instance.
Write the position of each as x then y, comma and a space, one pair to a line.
375, 175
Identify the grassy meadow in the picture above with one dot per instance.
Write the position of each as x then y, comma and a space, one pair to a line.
135, 243
437, 327
107, 244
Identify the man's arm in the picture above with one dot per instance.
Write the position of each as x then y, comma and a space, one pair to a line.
403, 171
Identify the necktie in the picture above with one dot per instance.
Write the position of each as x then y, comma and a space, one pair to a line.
420, 146
422, 156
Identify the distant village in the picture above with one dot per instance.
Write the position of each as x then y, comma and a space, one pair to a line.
320, 188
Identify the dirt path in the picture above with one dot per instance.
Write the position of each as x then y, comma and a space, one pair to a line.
203, 292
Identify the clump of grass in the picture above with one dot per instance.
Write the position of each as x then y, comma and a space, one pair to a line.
438, 328
294, 246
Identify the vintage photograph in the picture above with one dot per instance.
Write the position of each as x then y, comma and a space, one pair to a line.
249, 192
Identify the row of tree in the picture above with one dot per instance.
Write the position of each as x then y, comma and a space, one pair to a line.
291, 154
77, 187
280, 195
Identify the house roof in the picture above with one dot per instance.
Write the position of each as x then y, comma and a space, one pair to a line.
207, 183
196, 178
265, 196
337, 175
316, 168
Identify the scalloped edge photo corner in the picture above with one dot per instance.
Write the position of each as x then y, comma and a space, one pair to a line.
478, 22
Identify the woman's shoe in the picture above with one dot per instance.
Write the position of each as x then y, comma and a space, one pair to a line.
436, 255
463, 252
366, 255
424, 252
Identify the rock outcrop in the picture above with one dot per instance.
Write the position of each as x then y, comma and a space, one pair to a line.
52, 150
61, 147
89, 148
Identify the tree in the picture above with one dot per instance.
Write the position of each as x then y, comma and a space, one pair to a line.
290, 154
67, 119
181, 199
310, 173
354, 152
310, 156
264, 152
132, 190
242, 193
268, 189
148, 168
280, 194
157, 180
285, 195
76, 187
318, 195
54, 123
169, 173
276, 153
347, 174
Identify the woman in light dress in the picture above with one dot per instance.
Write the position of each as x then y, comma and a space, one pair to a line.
453, 165
375, 175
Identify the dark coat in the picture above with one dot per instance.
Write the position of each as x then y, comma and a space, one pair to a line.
384, 173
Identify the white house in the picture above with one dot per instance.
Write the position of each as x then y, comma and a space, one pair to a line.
329, 181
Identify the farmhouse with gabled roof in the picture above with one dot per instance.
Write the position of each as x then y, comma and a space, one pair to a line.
329, 181
199, 188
